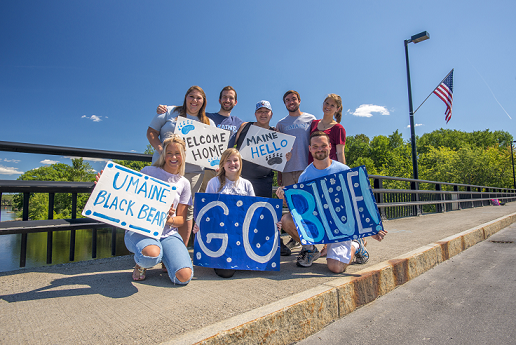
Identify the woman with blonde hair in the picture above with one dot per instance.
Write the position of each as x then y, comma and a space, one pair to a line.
170, 248
228, 181
163, 125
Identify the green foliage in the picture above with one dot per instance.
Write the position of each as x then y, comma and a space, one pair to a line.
484, 167
79, 171
135, 165
357, 146
478, 158
7, 199
456, 140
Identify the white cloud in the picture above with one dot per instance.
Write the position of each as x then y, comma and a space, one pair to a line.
93, 118
95, 159
9, 171
366, 110
416, 125
89, 159
48, 161
12, 160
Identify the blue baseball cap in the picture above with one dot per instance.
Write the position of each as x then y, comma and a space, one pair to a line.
263, 104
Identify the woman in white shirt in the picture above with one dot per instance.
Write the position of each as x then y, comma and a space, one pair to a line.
228, 181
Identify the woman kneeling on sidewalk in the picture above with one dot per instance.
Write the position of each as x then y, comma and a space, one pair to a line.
170, 248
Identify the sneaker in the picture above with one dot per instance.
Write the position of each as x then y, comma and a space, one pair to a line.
292, 243
307, 257
361, 255
284, 250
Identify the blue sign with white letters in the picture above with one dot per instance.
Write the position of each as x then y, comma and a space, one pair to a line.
334, 208
237, 232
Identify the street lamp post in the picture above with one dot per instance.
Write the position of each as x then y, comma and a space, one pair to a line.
512, 158
414, 39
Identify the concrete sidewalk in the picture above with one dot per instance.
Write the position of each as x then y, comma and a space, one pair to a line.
96, 302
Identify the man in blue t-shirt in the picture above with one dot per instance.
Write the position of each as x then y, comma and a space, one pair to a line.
223, 120
341, 254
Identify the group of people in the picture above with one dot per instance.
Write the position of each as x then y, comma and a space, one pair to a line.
318, 151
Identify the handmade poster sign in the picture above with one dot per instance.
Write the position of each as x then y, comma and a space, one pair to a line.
237, 232
334, 208
266, 148
204, 143
130, 200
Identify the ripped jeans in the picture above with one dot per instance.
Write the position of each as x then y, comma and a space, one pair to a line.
173, 253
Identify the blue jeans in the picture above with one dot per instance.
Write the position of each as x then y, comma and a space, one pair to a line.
173, 253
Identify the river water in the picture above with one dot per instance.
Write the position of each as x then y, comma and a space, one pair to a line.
10, 246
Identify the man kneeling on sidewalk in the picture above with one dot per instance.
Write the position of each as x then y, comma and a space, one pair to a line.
341, 254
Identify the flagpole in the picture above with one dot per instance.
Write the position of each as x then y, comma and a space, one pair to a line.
434, 90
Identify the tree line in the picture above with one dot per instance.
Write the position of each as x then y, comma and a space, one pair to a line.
478, 158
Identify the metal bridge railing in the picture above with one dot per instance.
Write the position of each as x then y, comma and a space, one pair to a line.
419, 197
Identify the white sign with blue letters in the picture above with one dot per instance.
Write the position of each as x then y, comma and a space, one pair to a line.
334, 208
130, 200
266, 148
204, 143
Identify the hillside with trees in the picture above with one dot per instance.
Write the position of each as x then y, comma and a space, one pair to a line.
79, 171
479, 158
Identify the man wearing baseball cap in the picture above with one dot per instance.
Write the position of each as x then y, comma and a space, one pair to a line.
259, 176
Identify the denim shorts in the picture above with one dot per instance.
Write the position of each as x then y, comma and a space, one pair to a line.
173, 253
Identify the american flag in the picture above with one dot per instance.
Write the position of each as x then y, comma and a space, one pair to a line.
445, 92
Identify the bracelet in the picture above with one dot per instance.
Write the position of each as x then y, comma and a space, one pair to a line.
172, 222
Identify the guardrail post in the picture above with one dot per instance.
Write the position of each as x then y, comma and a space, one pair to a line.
458, 205
415, 197
439, 208
25, 216
468, 189
378, 184
72, 232
94, 243
50, 233
113, 241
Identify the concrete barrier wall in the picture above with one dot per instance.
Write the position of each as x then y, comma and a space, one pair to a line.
301, 315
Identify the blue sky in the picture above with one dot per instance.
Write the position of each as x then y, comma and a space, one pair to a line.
90, 74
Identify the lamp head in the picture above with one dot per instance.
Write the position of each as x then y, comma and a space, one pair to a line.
419, 37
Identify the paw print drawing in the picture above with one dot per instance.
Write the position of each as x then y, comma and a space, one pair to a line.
214, 161
275, 158
186, 127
